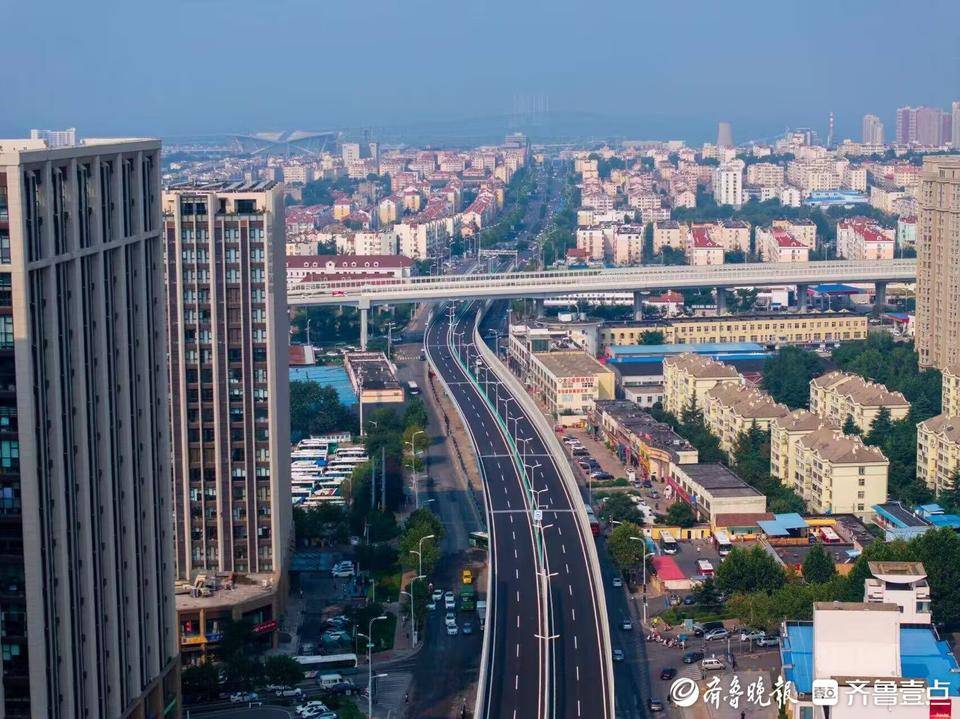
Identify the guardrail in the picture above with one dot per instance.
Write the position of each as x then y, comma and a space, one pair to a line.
541, 284
478, 705
570, 486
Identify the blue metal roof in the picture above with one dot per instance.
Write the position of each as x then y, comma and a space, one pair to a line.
697, 348
922, 656
837, 289
782, 524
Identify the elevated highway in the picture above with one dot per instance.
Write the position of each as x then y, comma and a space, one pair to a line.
365, 294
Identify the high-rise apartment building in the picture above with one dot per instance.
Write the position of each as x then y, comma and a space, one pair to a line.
955, 125
228, 338
929, 126
724, 135
938, 262
87, 620
906, 125
728, 184
872, 130
56, 138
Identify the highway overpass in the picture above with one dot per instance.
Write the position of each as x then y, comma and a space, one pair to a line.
366, 293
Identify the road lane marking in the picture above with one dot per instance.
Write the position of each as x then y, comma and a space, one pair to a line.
578, 673
575, 642
518, 621
563, 548
515, 553
570, 589
518, 649
518, 596
560, 530
567, 567
516, 573
516, 682
514, 534
578, 707
573, 613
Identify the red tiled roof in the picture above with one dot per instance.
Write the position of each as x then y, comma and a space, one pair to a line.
667, 569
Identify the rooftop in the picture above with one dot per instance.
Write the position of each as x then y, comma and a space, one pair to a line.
859, 390
800, 420
223, 186
922, 654
374, 367
833, 446
570, 364
716, 479
643, 425
701, 367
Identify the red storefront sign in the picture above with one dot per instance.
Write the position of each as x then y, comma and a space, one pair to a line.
264, 627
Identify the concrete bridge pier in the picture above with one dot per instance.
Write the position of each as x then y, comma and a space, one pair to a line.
879, 297
364, 307
802, 298
637, 306
538, 307
721, 301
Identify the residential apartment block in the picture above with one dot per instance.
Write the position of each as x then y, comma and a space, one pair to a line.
859, 238
728, 184
688, 377
838, 474
838, 395
569, 382
228, 338
668, 233
802, 230
779, 328
701, 249
87, 613
938, 263
785, 432
777, 245
938, 452
950, 394
733, 409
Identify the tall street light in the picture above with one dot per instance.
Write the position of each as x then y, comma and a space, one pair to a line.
643, 561
419, 552
369, 636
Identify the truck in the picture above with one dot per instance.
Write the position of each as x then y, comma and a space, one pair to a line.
481, 613
468, 598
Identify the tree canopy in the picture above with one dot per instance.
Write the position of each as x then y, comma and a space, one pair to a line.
315, 409
680, 514
787, 375
626, 553
818, 565
749, 570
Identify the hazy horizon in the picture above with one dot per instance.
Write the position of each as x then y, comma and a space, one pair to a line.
405, 70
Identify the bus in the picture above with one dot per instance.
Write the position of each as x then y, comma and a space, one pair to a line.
668, 543
480, 540
413, 387
328, 661
722, 543
592, 521
828, 536
705, 567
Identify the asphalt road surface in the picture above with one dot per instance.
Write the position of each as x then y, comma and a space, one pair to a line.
518, 683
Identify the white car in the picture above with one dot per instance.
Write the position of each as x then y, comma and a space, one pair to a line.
437, 595
449, 600
311, 706
452, 629
617, 582
752, 635
451, 618
431, 603
239, 697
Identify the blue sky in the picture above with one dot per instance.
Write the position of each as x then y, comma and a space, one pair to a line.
649, 68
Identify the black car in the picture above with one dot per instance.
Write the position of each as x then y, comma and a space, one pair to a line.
692, 657
688, 600
655, 705
668, 673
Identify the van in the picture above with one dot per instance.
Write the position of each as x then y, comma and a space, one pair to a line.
329, 680
712, 664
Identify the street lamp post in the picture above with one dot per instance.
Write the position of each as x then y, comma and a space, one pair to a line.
413, 466
643, 561
369, 636
419, 552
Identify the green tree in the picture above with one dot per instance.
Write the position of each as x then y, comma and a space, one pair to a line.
787, 375
850, 427
950, 497
326, 523
751, 456
415, 414
818, 566
750, 570
315, 409
880, 428
626, 553
680, 514
619, 508
419, 524
283, 670
201, 681
647, 253
652, 337
706, 594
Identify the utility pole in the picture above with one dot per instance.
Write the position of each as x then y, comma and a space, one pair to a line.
383, 477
